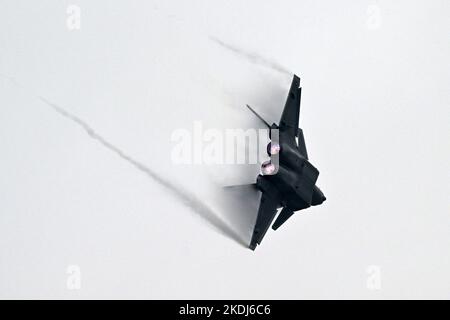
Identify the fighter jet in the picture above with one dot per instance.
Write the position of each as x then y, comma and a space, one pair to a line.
288, 179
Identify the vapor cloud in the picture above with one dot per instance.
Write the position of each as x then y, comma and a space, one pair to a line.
188, 198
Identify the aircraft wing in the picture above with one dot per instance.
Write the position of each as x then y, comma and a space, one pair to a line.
266, 213
291, 112
290, 117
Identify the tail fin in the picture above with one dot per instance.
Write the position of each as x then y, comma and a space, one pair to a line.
251, 186
285, 214
259, 117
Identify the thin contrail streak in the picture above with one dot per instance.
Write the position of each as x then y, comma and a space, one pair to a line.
253, 57
188, 198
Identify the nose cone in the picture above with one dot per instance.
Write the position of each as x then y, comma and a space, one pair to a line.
318, 197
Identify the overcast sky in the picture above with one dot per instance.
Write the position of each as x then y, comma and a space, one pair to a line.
91, 205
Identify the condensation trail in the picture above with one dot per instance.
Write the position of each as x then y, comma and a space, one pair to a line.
188, 198
252, 57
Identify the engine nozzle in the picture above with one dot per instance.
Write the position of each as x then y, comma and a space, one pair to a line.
268, 168
273, 148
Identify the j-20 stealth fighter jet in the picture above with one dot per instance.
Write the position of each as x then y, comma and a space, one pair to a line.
288, 180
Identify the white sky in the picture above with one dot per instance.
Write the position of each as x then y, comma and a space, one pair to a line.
375, 113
